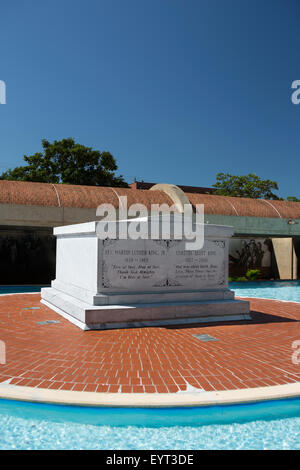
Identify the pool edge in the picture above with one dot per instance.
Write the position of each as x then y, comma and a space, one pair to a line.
149, 400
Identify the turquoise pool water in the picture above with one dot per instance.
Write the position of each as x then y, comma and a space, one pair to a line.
36, 426
279, 290
19, 289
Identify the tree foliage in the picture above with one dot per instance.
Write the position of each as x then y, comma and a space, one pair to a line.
64, 161
292, 199
251, 186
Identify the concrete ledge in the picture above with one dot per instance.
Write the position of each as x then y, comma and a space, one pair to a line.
149, 400
120, 316
123, 298
140, 324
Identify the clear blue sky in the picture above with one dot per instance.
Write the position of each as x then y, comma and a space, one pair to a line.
177, 90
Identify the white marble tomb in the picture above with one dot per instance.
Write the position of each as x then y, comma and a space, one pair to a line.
115, 283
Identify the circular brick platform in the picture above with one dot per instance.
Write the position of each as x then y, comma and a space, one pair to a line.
60, 356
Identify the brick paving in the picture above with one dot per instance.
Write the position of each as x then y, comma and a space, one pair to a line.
147, 360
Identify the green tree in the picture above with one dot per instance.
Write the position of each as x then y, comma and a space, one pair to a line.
292, 199
64, 161
245, 186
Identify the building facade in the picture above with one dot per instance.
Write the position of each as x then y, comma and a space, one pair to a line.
266, 233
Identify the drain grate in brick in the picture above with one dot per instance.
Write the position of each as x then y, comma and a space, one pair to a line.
48, 322
31, 308
205, 338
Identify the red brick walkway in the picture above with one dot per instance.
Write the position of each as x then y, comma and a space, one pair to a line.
167, 359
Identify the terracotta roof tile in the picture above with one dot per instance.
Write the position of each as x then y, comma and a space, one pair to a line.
19, 192
64, 195
68, 195
239, 206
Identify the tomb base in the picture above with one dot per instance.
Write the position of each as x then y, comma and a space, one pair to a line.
92, 317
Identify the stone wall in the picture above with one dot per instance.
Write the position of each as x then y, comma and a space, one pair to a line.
27, 255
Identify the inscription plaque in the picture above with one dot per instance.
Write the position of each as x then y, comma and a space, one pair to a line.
153, 264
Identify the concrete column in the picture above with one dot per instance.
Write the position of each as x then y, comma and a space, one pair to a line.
286, 258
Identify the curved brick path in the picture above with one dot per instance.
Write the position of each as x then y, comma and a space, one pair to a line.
168, 359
